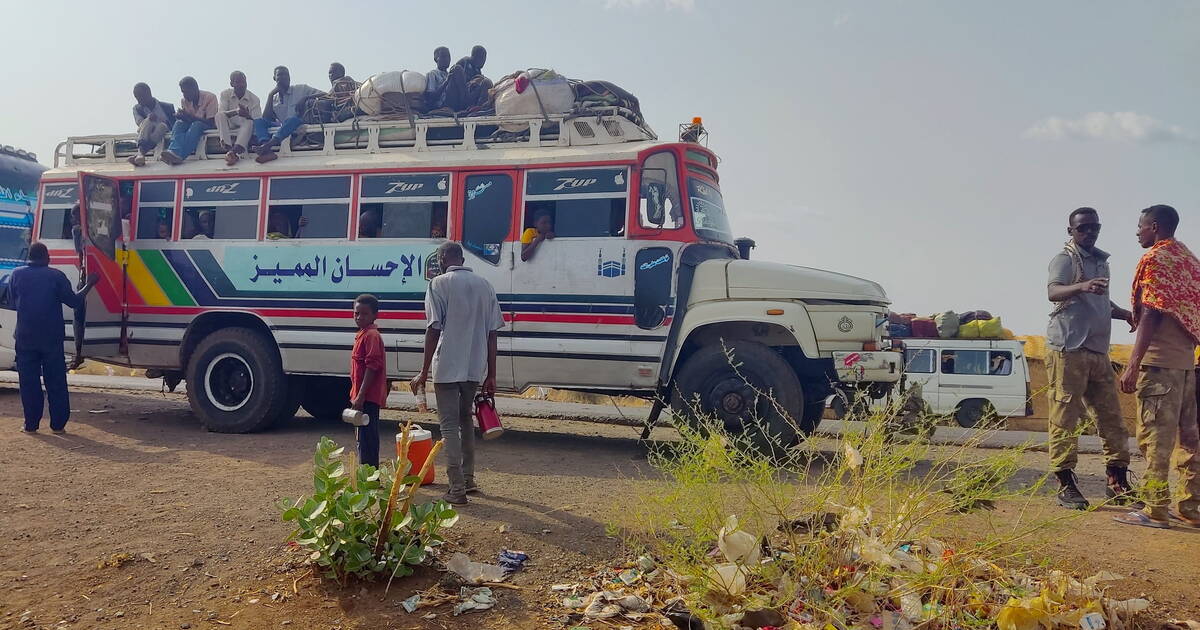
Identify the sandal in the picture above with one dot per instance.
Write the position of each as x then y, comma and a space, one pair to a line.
231, 158
1176, 515
1140, 518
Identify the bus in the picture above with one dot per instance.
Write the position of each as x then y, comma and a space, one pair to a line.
19, 179
240, 279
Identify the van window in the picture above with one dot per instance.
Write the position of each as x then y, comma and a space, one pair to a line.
659, 206
404, 206
156, 210
487, 214
580, 202
309, 207
220, 208
977, 362
919, 361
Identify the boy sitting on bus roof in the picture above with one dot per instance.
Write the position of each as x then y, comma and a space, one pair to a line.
532, 237
285, 106
153, 119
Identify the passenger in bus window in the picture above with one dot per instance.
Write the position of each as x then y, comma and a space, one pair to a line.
435, 80
437, 227
197, 114
204, 225
153, 119
285, 105
369, 224
238, 108
532, 237
279, 222
164, 228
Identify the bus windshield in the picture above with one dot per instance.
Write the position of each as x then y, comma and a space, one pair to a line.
708, 211
14, 243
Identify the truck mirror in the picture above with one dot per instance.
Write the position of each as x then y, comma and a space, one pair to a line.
654, 192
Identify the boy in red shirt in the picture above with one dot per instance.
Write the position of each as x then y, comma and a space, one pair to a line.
368, 376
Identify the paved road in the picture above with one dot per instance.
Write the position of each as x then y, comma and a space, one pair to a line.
612, 414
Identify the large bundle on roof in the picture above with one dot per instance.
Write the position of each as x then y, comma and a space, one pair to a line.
392, 93
536, 91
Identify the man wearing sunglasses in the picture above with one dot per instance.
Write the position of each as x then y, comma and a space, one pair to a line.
1078, 365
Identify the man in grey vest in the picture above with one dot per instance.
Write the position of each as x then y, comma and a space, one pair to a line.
1078, 367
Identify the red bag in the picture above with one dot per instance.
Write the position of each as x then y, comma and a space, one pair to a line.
487, 417
924, 328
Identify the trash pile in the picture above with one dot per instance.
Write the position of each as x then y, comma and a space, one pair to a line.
468, 585
947, 325
865, 583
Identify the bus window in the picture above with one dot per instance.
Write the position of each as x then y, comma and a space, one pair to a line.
404, 205
57, 200
487, 214
156, 210
659, 206
220, 208
309, 207
580, 202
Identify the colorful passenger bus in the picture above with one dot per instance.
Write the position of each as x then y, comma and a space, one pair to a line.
19, 175
240, 279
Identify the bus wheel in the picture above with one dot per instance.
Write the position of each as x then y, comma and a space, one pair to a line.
975, 413
295, 392
236, 382
760, 398
814, 412
325, 397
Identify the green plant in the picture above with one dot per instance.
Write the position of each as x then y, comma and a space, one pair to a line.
341, 521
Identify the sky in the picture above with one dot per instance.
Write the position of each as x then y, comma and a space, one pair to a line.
934, 147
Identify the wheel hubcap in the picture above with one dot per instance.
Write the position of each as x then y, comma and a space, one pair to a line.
228, 382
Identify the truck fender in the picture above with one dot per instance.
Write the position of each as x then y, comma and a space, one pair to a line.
793, 320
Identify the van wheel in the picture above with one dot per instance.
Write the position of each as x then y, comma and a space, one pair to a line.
325, 397
760, 399
236, 382
976, 413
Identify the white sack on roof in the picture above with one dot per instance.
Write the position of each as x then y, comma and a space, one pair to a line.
371, 95
518, 96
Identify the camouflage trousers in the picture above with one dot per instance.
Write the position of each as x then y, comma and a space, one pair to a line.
1082, 380
1167, 425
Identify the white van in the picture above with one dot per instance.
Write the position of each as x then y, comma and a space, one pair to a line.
970, 379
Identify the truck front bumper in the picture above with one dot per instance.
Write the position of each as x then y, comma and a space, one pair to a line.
868, 367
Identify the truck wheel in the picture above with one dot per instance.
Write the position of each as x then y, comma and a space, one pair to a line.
236, 382
711, 389
975, 413
325, 397
814, 412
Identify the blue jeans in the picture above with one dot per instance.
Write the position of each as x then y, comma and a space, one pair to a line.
185, 137
263, 133
35, 365
368, 436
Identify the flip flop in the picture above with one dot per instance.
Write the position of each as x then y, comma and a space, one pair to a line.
1139, 518
1176, 515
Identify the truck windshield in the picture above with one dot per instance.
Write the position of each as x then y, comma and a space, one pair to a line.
14, 243
708, 211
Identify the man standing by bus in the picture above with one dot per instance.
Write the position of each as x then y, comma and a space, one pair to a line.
1078, 366
1166, 303
463, 316
39, 292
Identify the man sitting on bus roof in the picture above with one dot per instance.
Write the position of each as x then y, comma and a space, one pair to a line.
339, 104
197, 114
466, 86
153, 119
238, 108
531, 238
435, 80
285, 106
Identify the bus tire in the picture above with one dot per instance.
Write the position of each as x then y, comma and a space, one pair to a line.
711, 389
814, 412
295, 391
325, 397
236, 382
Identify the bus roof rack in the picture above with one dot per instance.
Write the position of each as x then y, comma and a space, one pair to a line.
593, 126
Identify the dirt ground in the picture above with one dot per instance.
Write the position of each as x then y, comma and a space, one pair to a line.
195, 512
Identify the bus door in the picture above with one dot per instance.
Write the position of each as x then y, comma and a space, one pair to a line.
483, 219
104, 254
575, 290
